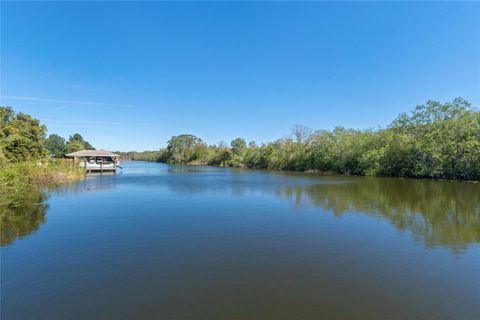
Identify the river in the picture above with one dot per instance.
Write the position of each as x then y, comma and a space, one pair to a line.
156, 241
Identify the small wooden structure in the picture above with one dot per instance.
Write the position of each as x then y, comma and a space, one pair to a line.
96, 160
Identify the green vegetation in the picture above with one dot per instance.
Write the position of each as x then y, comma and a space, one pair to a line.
433, 141
57, 147
77, 143
22, 219
25, 165
21, 178
140, 156
21, 136
22, 207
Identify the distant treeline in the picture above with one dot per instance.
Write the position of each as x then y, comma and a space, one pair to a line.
141, 156
433, 141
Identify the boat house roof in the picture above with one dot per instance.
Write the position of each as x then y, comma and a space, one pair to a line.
93, 153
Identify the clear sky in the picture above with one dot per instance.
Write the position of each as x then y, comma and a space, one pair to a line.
129, 75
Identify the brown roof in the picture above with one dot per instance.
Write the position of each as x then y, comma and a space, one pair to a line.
92, 153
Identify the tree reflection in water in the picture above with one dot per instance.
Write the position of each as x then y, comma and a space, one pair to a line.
22, 216
439, 213
22, 213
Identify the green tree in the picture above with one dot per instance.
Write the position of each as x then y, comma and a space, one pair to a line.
183, 148
56, 145
235, 157
76, 143
445, 139
6, 115
22, 137
238, 145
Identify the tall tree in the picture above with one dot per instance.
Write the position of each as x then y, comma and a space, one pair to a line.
56, 145
76, 143
22, 137
238, 145
183, 148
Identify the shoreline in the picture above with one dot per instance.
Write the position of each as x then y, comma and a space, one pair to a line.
18, 178
312, 172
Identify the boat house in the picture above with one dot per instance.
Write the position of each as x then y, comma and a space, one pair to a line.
96, 160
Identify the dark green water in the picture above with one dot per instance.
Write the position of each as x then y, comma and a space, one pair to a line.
170, 242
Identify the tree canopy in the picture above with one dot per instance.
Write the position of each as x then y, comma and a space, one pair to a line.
23, 137
76, 143
184, 148
56, 145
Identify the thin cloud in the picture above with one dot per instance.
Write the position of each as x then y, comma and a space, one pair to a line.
61, 108
88, 122
82, 126
90, 103
85, 87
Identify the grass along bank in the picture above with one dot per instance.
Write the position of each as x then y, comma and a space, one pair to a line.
19, 179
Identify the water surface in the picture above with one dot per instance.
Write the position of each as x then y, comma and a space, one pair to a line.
177, 242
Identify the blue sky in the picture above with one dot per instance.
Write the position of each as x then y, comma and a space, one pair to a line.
129, 75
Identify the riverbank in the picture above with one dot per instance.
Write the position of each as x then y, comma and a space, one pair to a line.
30, 177
313, 172
434, 141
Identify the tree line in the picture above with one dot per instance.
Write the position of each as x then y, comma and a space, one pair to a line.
435, 140
22, 138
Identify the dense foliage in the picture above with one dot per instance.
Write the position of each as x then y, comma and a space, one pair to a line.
433, 141
27, 166
22, 138
21, 193
56, 145
76, 143
141, 156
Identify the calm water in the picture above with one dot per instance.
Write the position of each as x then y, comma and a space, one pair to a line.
171, 242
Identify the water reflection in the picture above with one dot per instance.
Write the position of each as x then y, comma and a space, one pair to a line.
23, 213
23, 216
435, 212
93, 183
